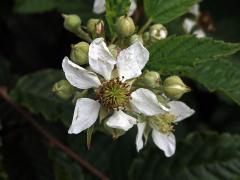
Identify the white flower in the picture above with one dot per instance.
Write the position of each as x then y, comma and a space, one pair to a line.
189, 24
129, 64
99, 7
199, 33
195, 10
144, 101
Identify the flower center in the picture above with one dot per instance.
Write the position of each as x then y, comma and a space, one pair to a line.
164, 123
113, 94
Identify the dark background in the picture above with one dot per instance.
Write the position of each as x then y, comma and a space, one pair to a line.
31, 42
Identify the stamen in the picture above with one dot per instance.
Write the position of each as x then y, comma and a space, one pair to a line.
164, 123
113, 94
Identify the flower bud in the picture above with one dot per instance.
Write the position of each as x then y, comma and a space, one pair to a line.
63, 89
114, 50
135, 38
149, 79
71, 22
125, 26
146, 37
157, 32
174, 87
95, 27
79, 53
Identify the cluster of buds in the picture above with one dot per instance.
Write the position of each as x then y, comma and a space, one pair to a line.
106, 82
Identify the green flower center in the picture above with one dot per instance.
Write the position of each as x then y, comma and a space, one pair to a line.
113, 94
164, 123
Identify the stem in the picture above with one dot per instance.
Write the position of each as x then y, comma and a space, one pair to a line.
52, 140
145, 26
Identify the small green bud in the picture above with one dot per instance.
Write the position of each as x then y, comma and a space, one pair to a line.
174, 87
146, 37
79, 53
157, 32
114, 50
125, 26
149, 79
71, 22
95, 27
63, 89
135, 38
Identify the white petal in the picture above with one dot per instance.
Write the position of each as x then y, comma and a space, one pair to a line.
132, 8
199, 33
188, 25
195, 10
146, 102
121, 120
165, 142
78, 76
99, 6
100, 58
85, 114
180, 110
139, 138
132, 60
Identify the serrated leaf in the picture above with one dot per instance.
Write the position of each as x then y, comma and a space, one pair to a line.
34, 91
222, 76
176, 53
207, 156
114, 9
164, 11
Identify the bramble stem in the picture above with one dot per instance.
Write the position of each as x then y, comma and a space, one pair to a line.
145, 26
52, 140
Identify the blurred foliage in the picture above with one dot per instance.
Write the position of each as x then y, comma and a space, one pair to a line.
220, 160
33, 39
35, 92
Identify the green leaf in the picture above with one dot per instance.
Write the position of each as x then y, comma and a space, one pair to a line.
34, 91
164, 11
222, 76
207, 156
114, 9
177, 53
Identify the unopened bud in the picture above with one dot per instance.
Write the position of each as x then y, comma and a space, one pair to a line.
95, 27
174, 87
135, 38
157, 32
71, 22
63, 89
125, 26
146, 37
149, 79
79, 53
